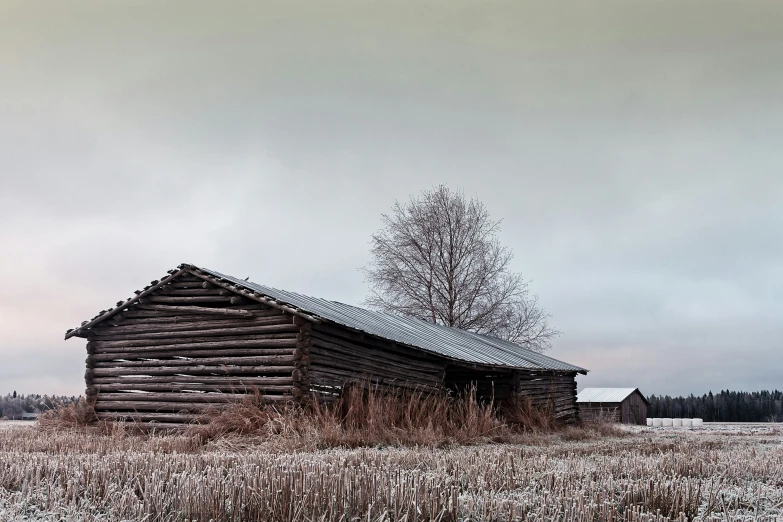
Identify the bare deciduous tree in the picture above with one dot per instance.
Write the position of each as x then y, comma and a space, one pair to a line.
438, 258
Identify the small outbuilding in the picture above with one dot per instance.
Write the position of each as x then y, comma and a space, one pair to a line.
626, 405
197, 339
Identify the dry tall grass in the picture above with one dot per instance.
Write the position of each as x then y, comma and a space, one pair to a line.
70, 416
82, 475
366, 416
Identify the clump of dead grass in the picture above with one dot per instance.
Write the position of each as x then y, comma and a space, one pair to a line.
367, 416
521, 415
74, 415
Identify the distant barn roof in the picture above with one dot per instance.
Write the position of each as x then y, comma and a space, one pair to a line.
606, 394
450, 342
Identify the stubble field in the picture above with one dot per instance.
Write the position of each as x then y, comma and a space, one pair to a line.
710, 474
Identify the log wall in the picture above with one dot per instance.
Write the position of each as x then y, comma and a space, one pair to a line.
606, 411
188, 347
339, 356
548, 390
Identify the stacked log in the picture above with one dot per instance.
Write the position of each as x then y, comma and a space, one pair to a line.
189, 347
340, 356
301, 357
555, 391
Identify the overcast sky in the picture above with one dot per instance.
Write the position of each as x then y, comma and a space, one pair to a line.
634, 151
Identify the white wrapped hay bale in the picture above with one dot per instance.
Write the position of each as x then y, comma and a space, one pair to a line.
657, 423
667, 423
677, 423
687, 423
698, 423
649, 421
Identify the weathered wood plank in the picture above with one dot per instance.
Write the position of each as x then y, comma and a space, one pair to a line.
115, 346
186, 300
365, 341
131, 417
173, 407
243, 330
186, 326
187, 275
192, 370
330, 376
363, 367
204, 398
261, 360
195, 283
326, 356
238, 380
190, 292
225, 352
203, 344
323, 343
162, 317
243, 389
197, 310
155, 406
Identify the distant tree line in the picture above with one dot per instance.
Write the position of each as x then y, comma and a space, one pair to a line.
726, 406
13, 406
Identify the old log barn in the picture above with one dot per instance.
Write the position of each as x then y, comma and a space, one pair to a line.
197, 338
626, 405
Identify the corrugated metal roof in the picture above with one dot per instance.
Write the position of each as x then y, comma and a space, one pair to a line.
450, 342
604, 394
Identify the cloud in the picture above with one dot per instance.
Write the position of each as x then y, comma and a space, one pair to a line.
632, 151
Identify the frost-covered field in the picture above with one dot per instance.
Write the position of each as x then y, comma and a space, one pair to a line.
704, 474
747, 428
11, 423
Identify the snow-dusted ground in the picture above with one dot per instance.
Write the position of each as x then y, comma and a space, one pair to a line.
11, 423
749, 428
719, 472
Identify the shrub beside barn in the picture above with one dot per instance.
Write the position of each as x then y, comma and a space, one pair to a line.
626, 405
197, 339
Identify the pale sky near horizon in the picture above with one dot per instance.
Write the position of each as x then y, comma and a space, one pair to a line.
632, 149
